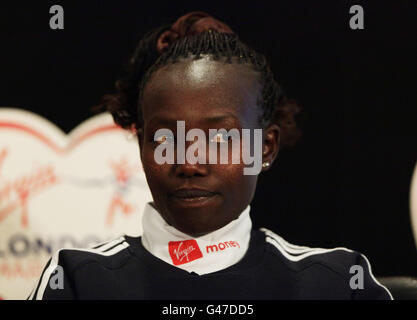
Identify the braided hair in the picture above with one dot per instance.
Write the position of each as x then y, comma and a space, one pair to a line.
125, 104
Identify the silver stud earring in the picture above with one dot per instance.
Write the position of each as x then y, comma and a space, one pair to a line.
265, 164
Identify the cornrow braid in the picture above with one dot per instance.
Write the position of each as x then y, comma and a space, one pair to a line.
125, 104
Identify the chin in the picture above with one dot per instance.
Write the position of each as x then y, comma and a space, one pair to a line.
196, 224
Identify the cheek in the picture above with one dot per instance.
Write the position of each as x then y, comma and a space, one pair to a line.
234, 181
155, 173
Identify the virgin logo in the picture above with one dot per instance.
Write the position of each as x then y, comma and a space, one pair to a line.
28, 168
184, 251
62, 189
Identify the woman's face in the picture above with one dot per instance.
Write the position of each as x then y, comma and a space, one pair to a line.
207, 95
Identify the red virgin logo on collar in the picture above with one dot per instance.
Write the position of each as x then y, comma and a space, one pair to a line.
184, 251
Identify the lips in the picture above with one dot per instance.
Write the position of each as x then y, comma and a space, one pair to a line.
193, 198
192, 194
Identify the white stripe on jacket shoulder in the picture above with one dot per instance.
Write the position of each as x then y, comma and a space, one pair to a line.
107, 248
296, 253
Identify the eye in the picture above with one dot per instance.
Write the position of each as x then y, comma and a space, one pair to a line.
220, 137
164, 139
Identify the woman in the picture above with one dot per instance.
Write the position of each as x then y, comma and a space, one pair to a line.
198, 241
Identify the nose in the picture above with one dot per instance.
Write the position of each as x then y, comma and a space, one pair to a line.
189, 170
194, 161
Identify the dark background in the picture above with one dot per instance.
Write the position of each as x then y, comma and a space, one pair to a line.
346, 183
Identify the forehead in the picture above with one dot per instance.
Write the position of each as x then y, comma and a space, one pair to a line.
195, 89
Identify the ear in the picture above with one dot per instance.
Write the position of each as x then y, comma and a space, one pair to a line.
270, 146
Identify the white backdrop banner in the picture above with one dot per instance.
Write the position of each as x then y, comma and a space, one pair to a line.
59, 190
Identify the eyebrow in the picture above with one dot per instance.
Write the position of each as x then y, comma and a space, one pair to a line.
209, 119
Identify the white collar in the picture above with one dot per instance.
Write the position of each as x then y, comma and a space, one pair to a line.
209, 253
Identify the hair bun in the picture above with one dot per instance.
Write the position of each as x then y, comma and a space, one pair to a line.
191, 23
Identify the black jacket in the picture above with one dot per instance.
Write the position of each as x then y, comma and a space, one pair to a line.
269, 270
